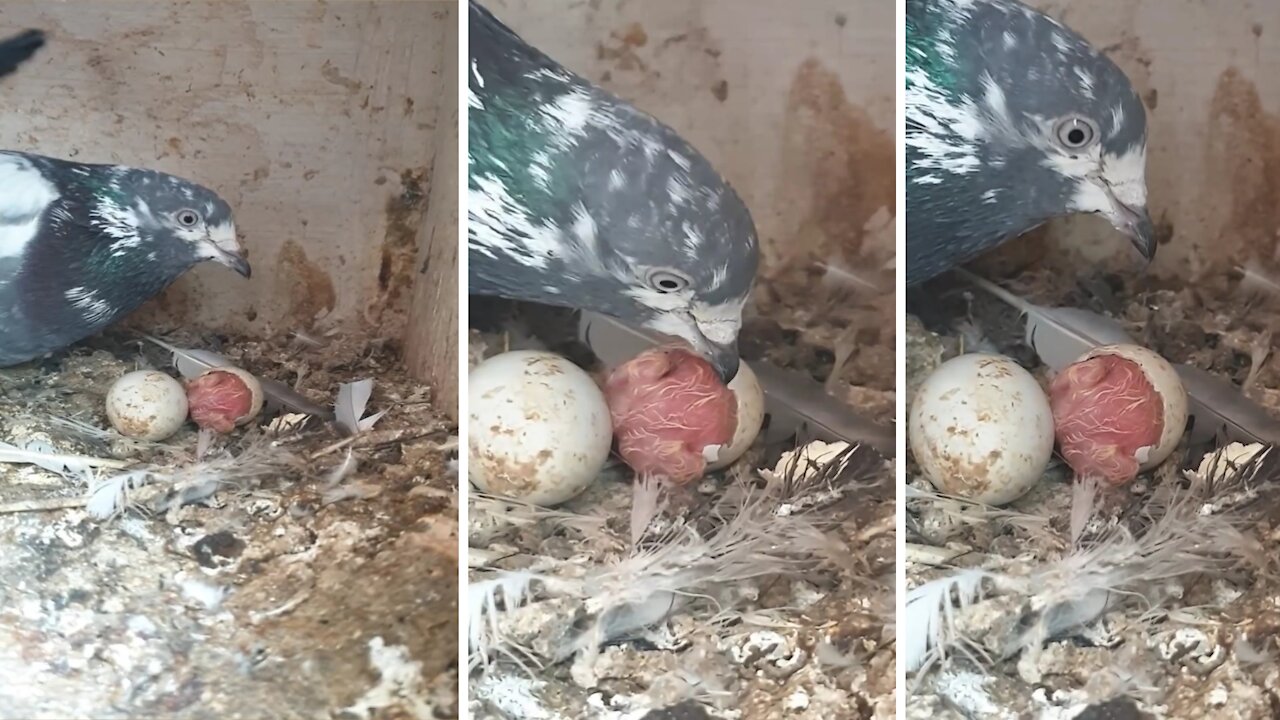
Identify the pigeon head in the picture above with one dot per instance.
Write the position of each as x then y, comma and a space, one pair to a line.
179, 221
665, 244
661, 243
83, 245
1015, 119
578, 199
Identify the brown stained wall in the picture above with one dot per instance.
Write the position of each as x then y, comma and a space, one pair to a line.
792, 101
1209, 73
314, 119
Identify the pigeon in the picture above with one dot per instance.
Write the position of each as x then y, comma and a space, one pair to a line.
83, 245
1013, 119
18, 49
578, 199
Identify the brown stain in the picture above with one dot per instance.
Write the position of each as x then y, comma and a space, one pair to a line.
1135, 60
1030, 250
849, 161
174, 307
335, 76
308, 287
1244, 153
506, 476
721, 90
620, 49
404, 214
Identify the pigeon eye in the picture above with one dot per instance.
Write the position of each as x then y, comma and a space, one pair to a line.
667, 281
1076, 132
187, 218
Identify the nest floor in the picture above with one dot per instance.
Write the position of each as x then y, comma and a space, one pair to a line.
805, 635
1190, 639
256, 582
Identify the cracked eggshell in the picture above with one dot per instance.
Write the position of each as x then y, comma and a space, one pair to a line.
539, 430
750, 396
1167, 383
980, 427
250, 383
147, 405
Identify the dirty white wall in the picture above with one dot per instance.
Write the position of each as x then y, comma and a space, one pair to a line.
792, 101
313, 119
1209, 73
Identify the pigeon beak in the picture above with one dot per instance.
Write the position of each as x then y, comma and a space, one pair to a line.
223, 241
724, 358
1143, 236
1134, 222
236, 262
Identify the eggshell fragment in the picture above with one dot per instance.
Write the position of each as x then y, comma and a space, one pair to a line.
222, 399
750, 396
669, 409
147, 405
980, 427
539, 428
1118, 410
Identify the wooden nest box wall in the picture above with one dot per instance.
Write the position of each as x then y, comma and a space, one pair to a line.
331, 128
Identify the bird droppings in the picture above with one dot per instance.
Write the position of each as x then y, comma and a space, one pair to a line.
1205, 627
256, 600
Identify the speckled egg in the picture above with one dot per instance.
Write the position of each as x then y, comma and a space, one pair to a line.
980, 427
147, 405
539, 427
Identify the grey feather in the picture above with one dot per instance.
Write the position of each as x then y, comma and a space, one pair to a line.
1219, 408
793, 400
1060, 336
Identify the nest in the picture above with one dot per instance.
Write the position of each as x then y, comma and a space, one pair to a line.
1153, 598
290, 547
765, 590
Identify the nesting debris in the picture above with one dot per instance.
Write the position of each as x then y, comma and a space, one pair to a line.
317, 569
752, 594
720, 602
1157, 596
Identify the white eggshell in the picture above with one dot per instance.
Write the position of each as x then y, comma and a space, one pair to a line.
981, 428
746, 389
147, 405
1164, 378
540, 429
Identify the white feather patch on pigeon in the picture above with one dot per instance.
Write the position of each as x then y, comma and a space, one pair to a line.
26, 196
114, 220
951, 128
94, 307
496, 218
